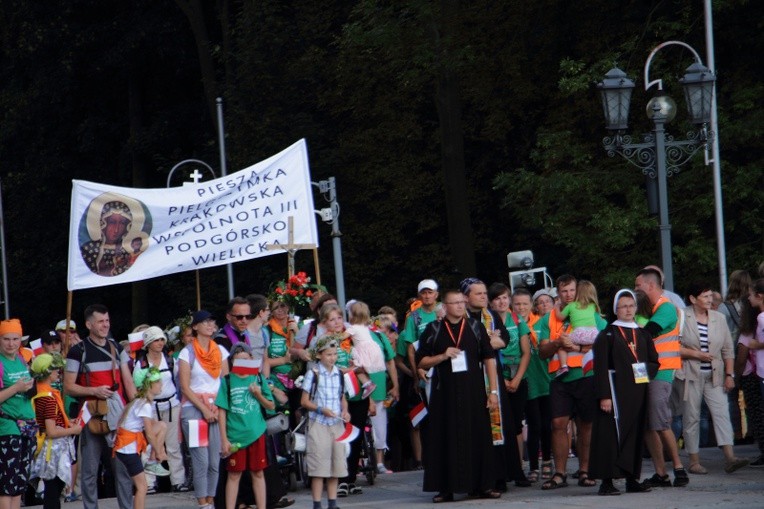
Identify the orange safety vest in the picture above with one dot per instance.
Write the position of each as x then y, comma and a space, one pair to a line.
667, 345
575, 359
531, 321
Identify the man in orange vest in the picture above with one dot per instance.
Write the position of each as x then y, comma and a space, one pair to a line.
664, 327
569, 395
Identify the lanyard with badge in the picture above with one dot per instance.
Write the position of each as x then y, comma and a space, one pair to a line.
458, 363
639, 368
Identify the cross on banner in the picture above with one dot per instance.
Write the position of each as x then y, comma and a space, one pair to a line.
290, 247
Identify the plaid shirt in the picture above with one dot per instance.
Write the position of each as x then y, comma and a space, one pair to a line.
327, 394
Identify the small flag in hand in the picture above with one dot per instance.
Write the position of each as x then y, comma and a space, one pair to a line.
588, 361
36, 346
136, 341
198, 433
418, 413
85, 415
246, 367
351, 433
352, 385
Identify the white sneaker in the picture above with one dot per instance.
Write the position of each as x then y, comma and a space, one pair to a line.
381, 469
156, 469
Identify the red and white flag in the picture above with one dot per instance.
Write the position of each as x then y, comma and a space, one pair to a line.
351, 433
418, 413
85, 415
136, 341
352, 385
588, 361
36, 346
246, 367
198, 433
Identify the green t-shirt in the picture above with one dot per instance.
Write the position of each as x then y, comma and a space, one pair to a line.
278, 348
380, 377
580, 317
244, 414
574, 373
537, 373
19, 405
413, 329
511, 354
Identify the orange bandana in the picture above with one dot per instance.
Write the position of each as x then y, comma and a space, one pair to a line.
211, 360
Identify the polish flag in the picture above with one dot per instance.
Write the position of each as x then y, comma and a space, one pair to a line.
418, 413
36, 346
351, 433
198, 433
246, 367
588, 361
85, 415
136, 341
352, 385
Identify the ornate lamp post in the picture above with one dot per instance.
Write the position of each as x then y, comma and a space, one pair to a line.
659, 155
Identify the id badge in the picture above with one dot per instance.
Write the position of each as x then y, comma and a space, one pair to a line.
640, 373
459, 363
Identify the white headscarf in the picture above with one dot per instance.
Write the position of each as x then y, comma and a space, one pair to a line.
618, 295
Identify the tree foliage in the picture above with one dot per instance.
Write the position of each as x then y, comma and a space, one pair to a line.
119, 93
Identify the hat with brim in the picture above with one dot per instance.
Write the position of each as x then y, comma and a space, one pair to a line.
152, 334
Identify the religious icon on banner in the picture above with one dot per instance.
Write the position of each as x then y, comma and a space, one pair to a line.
113, 232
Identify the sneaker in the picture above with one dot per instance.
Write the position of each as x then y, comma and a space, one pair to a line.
757, 463
634, 486
342, 490
681, 478
156, 469
656, 481
151, 490
561, 372
181, 488
368, 388
735, 464
72, 497
281, 460
382, 469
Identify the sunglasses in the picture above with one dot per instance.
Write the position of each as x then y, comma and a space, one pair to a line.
242, 317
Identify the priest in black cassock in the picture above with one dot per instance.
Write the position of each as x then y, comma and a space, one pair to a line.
458, 455
625, 361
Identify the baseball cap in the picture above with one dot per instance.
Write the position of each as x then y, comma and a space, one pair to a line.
200, 316
49, 336
427, 284
61, 325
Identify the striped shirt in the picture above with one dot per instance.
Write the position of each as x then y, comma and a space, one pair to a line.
703, 334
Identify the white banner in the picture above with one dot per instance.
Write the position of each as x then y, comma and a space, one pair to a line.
120, 234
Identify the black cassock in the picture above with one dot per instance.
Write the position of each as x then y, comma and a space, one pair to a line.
458, 452
610, 457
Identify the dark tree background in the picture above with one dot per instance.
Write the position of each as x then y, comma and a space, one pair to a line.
457, 131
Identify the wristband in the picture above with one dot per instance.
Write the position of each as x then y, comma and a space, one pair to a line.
319, 410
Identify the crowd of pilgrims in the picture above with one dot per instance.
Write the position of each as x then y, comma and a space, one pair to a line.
478, 386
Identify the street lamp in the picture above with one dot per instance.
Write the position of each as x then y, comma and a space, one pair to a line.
659, 156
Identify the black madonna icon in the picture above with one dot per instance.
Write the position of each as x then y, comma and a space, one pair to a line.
113, 232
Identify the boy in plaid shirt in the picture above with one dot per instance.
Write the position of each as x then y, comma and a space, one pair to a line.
325, 457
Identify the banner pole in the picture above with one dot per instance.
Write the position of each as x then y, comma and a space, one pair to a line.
68, 322
315, 264
198, 292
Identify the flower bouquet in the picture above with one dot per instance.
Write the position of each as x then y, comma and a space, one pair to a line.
295, 291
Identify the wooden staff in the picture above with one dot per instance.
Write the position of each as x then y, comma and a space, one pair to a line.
315, 265
198, 292
68, 321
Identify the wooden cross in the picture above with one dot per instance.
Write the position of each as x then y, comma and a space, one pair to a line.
290, 247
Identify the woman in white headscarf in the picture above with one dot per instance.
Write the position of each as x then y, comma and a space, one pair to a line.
624, 362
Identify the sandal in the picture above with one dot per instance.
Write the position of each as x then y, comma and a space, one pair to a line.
584, 481
490, 494
546, 470
697, 469
551, 484
443, 497
533, 476
354, 490
342, 490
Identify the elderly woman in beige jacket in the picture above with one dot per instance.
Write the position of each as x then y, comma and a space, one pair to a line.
707, 373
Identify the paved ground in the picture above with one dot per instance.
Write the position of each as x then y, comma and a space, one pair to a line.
741, 490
